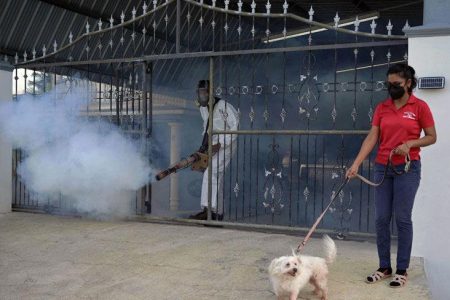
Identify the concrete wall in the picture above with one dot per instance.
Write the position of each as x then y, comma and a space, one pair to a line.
430, 56
5, 147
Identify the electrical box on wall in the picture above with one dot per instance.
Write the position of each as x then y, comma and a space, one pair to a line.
431, 82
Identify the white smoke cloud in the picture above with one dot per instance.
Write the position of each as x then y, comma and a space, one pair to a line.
91, 164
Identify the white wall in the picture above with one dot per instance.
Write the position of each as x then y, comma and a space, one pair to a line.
5, 147
430, 56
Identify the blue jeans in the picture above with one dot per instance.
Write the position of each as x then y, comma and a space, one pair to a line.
396, 194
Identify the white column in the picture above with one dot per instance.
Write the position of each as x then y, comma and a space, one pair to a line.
5, 146
430, 56
174, 197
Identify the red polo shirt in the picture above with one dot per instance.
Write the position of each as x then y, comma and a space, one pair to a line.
400, 125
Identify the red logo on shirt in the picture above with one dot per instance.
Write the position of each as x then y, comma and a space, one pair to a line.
409, 115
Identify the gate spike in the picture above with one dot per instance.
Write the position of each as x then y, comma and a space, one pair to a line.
389, 27
70, 37
34, 53
406, 27
214, 3
357, 24
240, 6
133, 13
336, 20
227, 2
283, 115
334, 113
285, 7
144, 8
16, 59
370, 114
154, 4
268, 6
311, 13
236, 189
25, 56
122, 17
253, 6
373, 26
87, 27
252, 114
44, 50
111, 22
55, 46
100, 24
354, 114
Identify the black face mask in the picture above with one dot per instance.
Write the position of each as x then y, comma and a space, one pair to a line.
202, 98
395, 91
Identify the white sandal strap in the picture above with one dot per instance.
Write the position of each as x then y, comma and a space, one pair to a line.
400, 279
378, 276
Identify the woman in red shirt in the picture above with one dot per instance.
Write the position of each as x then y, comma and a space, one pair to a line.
397, 125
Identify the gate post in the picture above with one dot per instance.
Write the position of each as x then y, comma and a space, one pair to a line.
210, 130
174, 196
145, 199
5, 146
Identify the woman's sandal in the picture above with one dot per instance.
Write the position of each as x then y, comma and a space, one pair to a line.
398, 281
377, 276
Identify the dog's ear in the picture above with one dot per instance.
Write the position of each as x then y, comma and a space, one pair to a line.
275, 266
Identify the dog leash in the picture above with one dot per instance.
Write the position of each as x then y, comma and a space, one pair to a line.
313, 228
346, 180
389, 165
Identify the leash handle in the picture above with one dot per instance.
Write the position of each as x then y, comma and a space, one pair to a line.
407, 163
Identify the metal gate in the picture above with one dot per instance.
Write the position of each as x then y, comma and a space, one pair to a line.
304, 104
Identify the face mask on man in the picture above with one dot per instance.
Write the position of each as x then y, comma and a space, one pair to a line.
396, 91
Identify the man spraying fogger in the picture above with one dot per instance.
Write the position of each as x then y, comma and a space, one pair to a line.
225, 117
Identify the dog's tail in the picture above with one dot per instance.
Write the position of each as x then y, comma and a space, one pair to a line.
330, 249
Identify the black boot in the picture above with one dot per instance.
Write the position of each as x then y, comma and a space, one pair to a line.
203, 215
216, 217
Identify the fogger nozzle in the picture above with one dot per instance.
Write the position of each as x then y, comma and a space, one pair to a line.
184, 163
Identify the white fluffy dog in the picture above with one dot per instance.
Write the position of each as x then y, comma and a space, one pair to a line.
289, 274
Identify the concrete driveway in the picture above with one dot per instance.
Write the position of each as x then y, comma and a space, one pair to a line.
52, 257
